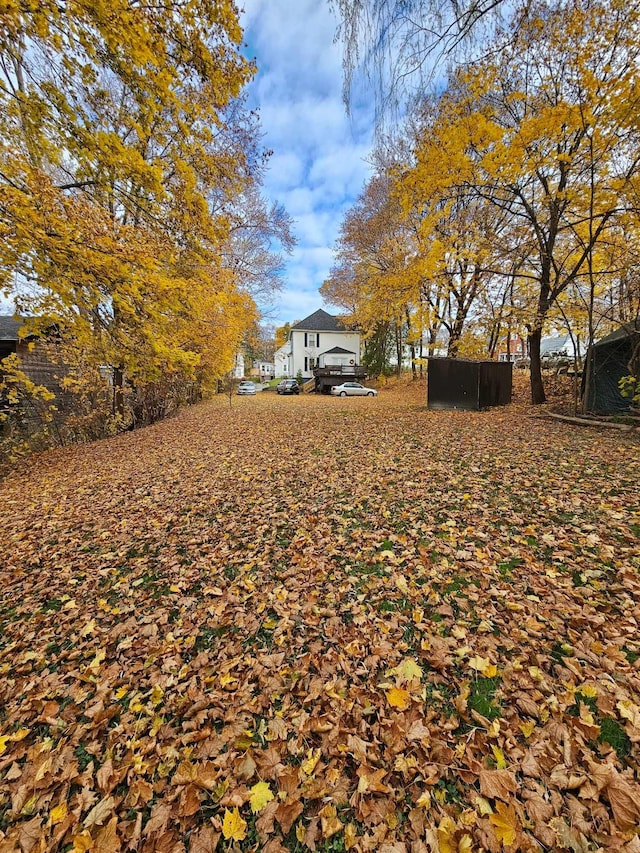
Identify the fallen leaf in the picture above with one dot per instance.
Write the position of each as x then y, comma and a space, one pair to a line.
397, 697
234, 827
505, 824
260, 795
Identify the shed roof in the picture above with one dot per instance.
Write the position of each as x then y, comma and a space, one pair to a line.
320, 321
619, 334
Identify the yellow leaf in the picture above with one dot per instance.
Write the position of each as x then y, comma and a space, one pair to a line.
233, 826
309, 764
628, 711
589, 690
100, 656
499, 757
58, 814
465, 844
483, 666
350, 836
301, 832
156, 724
527, 728
260, 796
82, 842
505, 824
398, 698
70, 605
408, 670
157, 695
494, 729
44, 768
446, 831
424, 800
20, 734
484, 807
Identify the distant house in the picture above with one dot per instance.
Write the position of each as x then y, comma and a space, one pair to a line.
511, 348
320, 340
263, 370
561, 346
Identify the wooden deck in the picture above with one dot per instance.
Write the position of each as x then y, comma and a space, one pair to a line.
336, 374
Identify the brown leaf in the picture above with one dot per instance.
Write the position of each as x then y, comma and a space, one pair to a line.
107, 840
498, 784
529, 765
205, 840
100, 812
624, 798
189, 801
30, 834
287, 813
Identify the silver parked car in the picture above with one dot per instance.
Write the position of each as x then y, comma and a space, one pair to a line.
353, 389
247, 388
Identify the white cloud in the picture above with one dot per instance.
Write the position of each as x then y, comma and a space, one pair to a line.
319, 162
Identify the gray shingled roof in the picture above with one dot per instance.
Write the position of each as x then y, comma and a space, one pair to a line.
320, 321
9, 327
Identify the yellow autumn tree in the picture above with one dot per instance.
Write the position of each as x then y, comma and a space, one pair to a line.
545, 131
124, 146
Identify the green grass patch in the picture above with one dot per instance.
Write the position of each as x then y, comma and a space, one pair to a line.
611, 732
482, 696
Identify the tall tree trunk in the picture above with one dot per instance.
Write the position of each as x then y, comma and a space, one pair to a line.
537, 386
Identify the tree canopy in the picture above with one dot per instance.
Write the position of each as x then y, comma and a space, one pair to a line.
518, 182
129, 181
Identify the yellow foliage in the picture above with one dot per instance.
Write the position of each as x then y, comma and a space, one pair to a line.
261, 794
233, 825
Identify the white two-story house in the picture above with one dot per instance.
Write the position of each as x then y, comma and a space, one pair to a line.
320, 340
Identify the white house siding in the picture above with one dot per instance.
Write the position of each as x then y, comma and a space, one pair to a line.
282, 361
308, 347
238, 368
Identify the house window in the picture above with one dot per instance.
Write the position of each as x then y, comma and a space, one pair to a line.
312, 340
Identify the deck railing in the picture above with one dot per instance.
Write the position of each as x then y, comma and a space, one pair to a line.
339, 370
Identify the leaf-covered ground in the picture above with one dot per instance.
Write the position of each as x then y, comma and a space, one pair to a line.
321, 624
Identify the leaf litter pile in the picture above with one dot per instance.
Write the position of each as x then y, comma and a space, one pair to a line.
320, 624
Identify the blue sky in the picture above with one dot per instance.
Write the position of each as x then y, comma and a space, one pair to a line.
319, 164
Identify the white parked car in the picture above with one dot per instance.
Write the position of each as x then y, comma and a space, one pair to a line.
246, 388
353, 389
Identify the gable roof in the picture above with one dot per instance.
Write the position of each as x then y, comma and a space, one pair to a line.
338, 351
9, 327
554, 344
319, 321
